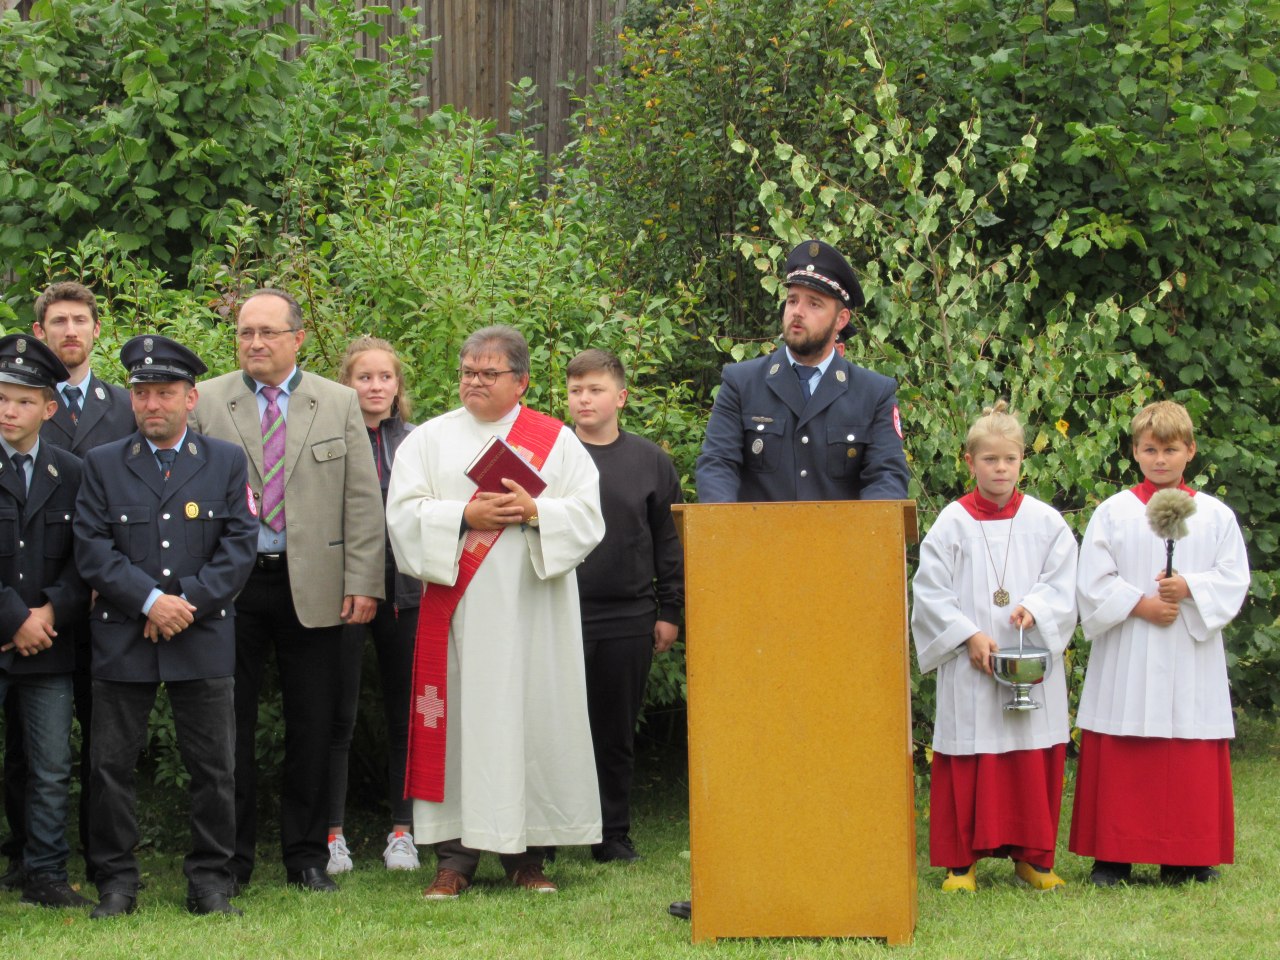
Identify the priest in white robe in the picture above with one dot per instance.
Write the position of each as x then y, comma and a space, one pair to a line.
518, 769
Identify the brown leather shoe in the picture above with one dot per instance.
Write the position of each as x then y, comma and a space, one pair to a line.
531, 877
446, 885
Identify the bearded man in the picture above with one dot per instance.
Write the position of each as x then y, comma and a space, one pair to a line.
803, 423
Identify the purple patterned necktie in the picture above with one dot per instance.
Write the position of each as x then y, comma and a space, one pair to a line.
273, 461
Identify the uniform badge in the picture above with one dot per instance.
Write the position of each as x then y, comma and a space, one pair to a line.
762, 419
191, 448
22, 346
146, 360
148, 345
18, 360
897, 421
191, 510
53, 471
100, 393
757, 445
774, 369
840, 376
137, 449
249, 498
814, 250
853, 452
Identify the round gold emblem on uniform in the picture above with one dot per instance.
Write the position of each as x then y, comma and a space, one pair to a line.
191, 510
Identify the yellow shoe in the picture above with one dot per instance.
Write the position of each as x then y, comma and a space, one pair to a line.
966, 882
1037, 878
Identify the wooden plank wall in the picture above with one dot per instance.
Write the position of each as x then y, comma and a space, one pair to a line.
484, 46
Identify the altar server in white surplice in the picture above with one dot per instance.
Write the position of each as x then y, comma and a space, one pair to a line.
1154, 779
994, 561
500, 753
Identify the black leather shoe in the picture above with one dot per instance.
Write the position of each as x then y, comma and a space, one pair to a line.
212, 903
43, 890
311, 878
614, 848
1176, 876
114, 905
1107, 873
683, 909
14, 877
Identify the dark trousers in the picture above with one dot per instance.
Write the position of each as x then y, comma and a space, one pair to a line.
454, 855
617, 670
393, 638
203, 720
310, 667
15, 757
15, 782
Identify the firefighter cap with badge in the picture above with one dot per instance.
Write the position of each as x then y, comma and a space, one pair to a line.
820, 267
151, 358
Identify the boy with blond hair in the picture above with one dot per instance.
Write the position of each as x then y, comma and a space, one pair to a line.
1154, 779
995, 564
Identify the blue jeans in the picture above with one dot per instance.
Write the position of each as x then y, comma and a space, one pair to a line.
44, 701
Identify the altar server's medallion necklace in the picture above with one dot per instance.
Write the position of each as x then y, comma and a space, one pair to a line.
1001, 595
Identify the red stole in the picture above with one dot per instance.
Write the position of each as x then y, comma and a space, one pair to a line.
533, 435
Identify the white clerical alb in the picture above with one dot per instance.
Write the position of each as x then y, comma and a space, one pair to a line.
952, 600
519, 770
1149, 681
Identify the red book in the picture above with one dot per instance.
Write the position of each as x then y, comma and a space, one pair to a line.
498, 461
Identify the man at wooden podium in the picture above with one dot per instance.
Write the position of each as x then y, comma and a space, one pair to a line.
804, 423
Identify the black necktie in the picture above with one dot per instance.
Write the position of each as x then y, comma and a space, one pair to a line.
806, 375
73, 395
20, 461
166, 457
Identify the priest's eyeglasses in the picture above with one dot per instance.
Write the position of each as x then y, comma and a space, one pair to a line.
486, 378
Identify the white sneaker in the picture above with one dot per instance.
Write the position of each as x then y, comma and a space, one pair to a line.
401, 854
339, 856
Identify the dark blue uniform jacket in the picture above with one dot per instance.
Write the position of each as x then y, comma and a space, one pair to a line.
191, 535
766, 443
36, 562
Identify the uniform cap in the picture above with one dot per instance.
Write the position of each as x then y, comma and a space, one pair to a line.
151, 358
29, 362
820, 266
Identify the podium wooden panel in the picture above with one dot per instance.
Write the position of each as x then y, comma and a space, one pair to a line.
801, 812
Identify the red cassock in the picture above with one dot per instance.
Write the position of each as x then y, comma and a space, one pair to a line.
995, 805
1153, 800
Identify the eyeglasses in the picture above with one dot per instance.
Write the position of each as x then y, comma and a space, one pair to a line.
248, 335
485, 378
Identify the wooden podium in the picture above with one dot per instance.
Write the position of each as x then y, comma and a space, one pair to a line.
801, 810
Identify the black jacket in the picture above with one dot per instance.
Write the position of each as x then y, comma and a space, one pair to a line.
36, 561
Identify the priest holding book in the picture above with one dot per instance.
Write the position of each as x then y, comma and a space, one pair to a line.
499, 646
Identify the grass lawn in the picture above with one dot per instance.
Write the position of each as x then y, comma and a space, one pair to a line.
606, 911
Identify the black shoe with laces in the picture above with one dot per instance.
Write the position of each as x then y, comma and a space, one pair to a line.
1107, 873
42, 890
1175, 876
14, 877
615, 848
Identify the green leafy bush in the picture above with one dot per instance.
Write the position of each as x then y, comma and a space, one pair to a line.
137, 118
1074, 205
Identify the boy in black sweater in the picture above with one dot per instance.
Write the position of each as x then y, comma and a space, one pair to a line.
631, 587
